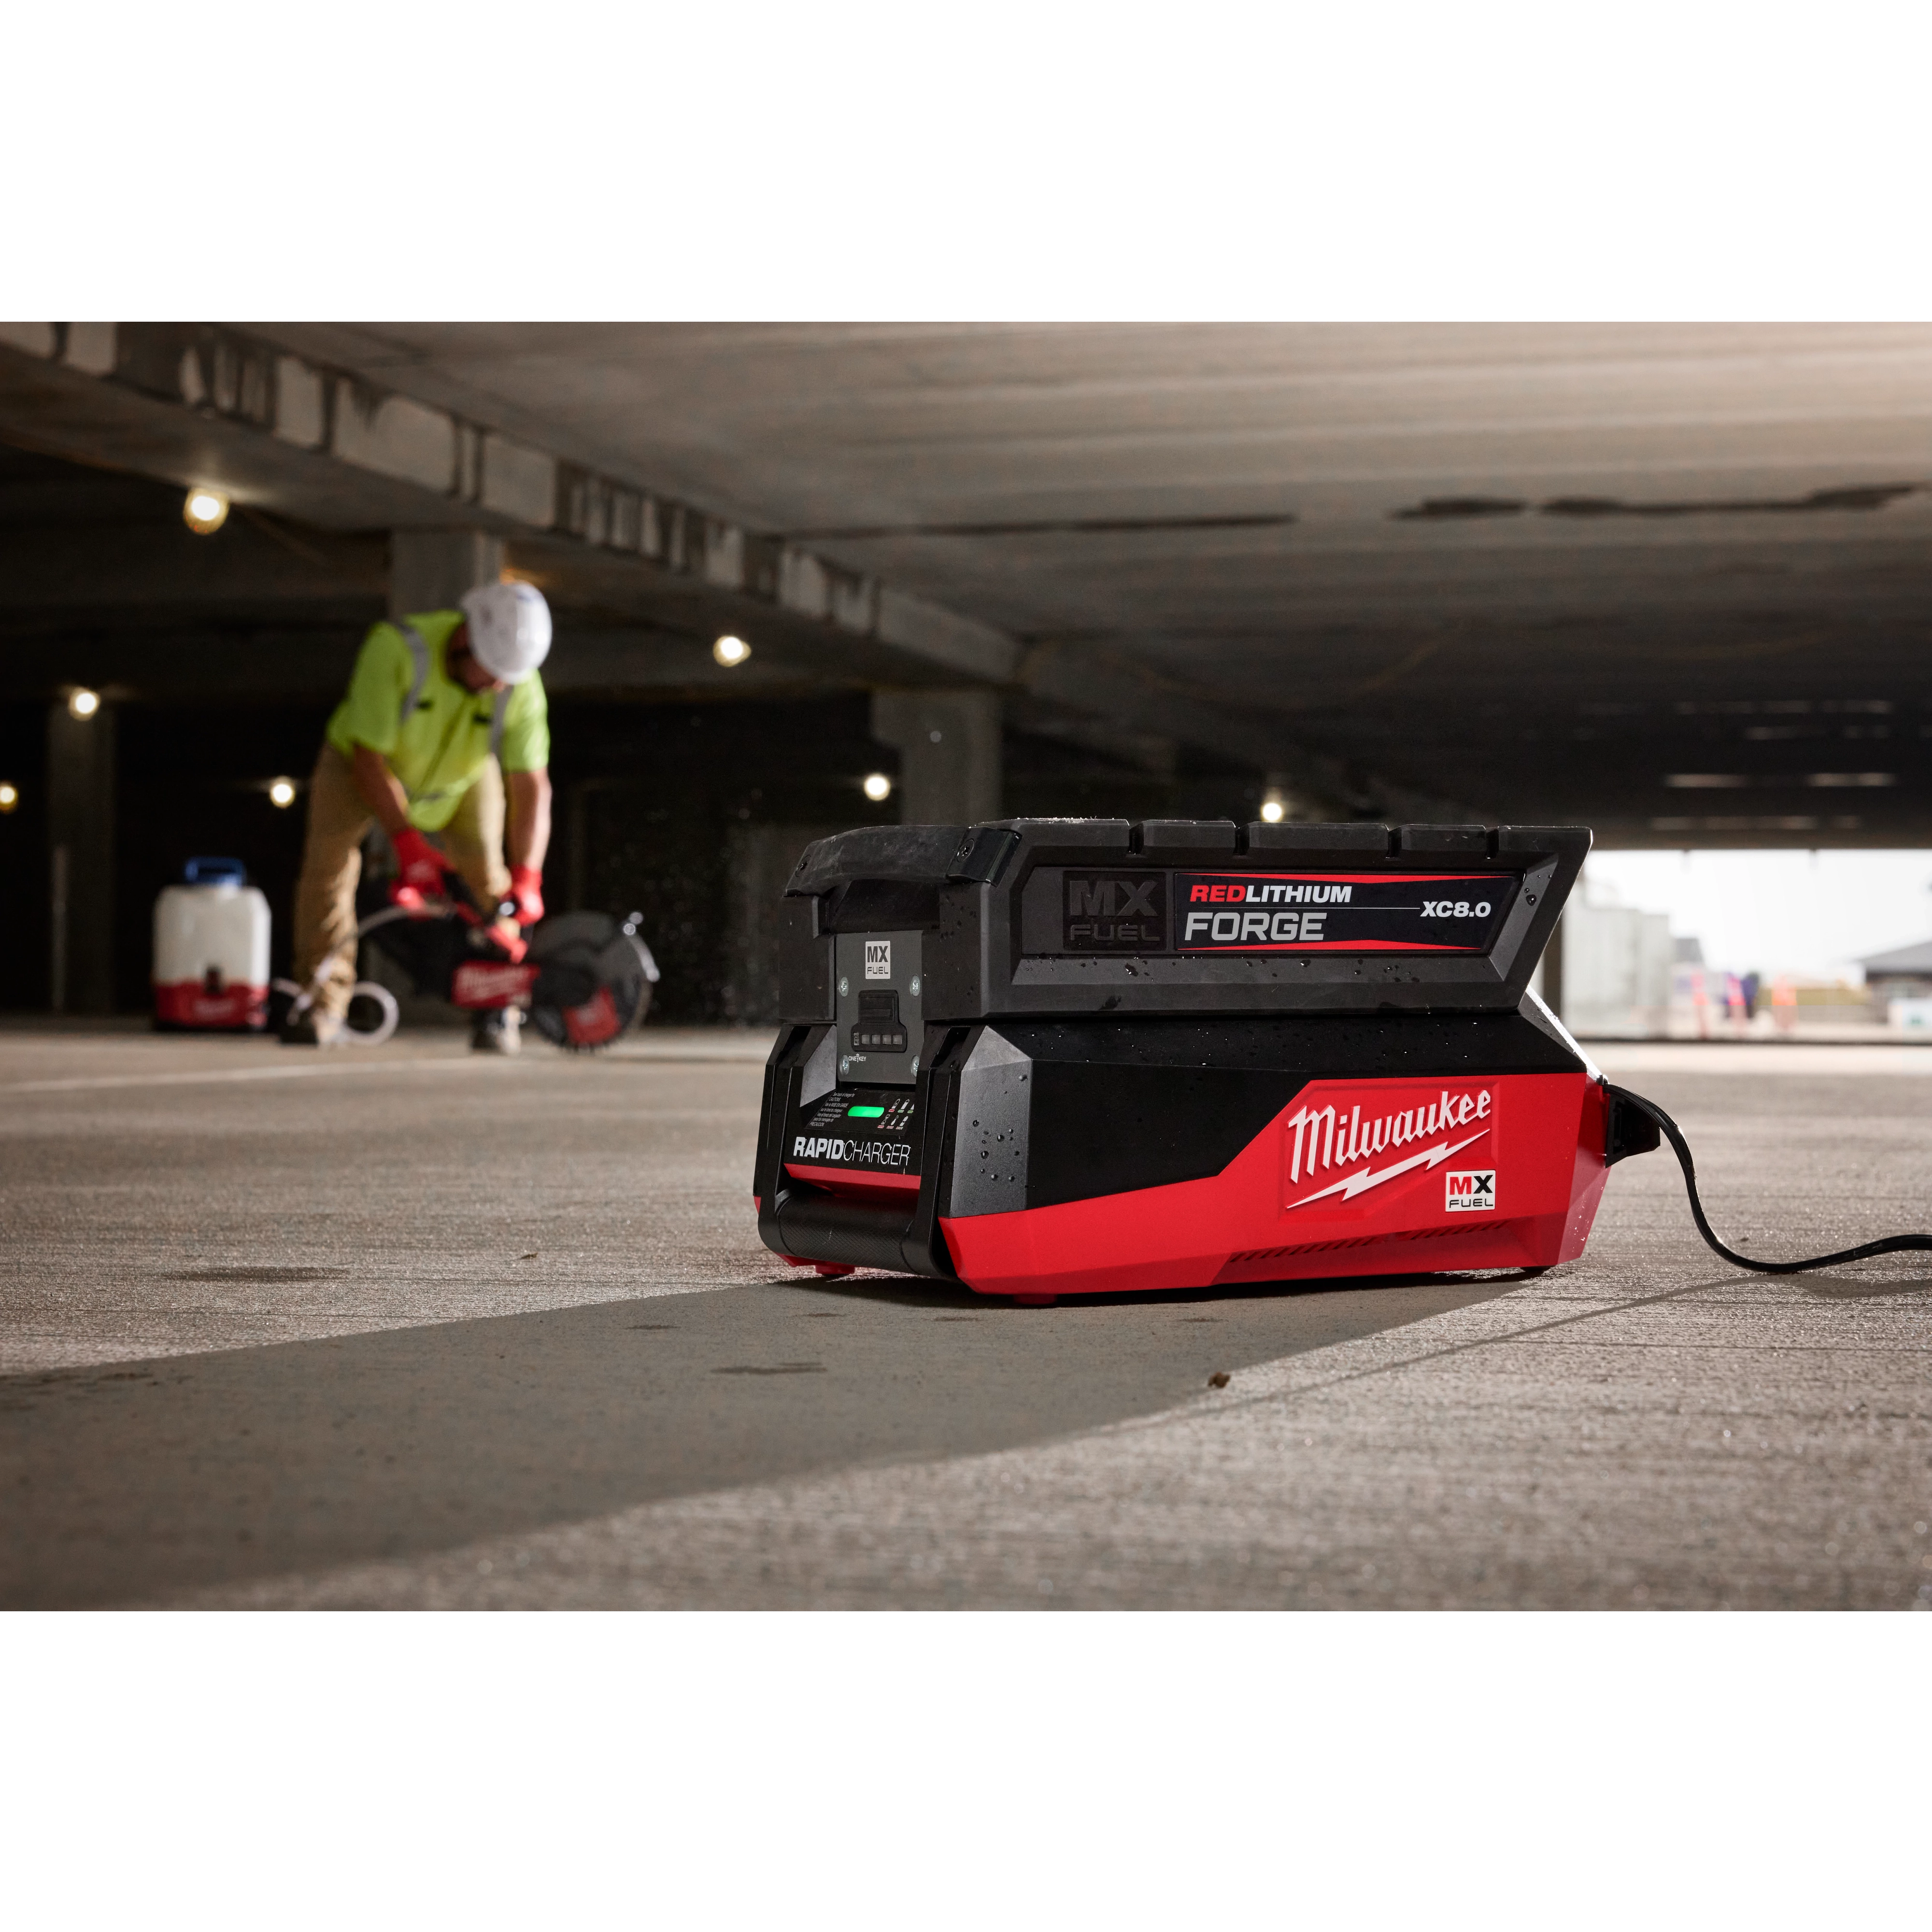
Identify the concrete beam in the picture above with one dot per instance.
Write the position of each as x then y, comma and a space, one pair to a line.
433, 570
1152, 752
1142, 701
79, 574
175, 661
202, 403
199, 403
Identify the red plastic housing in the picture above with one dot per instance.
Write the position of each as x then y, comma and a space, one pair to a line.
1398, 1189
483, 985
231, 1007
848, 1183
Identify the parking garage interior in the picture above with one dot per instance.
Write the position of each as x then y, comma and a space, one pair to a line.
1665, 581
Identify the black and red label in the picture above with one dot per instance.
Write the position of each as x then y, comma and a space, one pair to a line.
1340, 912
863, 1139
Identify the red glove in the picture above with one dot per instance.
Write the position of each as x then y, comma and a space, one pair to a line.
526, 889
423, 867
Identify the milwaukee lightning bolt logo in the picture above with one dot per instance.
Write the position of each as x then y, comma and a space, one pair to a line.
1320, 1139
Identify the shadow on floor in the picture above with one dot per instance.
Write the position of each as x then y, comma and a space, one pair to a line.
1853, 1288
198, 1470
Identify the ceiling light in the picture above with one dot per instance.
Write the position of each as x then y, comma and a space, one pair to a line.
878, 786
731, 652
281, 792
204, 511
83, 703
10, 797
1272, 811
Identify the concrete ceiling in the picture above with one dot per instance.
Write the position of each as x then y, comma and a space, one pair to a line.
1545, 570
1670, 580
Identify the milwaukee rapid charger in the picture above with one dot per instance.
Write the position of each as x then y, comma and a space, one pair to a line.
1049, 1057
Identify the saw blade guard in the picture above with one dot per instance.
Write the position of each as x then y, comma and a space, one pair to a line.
595, 979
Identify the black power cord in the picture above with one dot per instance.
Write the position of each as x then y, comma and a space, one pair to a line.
1626, 1138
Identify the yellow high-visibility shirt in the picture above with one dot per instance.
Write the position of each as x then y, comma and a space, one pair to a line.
437, 751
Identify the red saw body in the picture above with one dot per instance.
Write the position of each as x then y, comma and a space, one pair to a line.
581, 977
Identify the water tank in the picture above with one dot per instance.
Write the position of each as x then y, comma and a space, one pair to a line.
211, 950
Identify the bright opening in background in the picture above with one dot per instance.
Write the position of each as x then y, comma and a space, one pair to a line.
1812, 914
1734, 944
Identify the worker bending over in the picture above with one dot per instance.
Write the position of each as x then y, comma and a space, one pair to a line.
444, 715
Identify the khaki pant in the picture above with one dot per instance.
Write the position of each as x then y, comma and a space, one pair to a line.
339, 818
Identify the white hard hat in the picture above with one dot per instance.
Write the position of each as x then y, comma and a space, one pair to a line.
509, 628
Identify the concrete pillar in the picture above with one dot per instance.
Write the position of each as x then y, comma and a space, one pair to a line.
429, 570
1552, 965
80, 852
949, 747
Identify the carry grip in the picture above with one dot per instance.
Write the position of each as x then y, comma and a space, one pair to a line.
810, 1222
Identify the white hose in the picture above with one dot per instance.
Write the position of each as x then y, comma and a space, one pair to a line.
368, 989
303, 998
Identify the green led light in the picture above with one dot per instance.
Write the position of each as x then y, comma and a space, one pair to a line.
864, 1113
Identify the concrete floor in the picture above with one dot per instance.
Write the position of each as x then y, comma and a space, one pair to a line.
412, 1328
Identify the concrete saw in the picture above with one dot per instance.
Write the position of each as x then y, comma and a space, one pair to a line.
580, 978
594, 979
